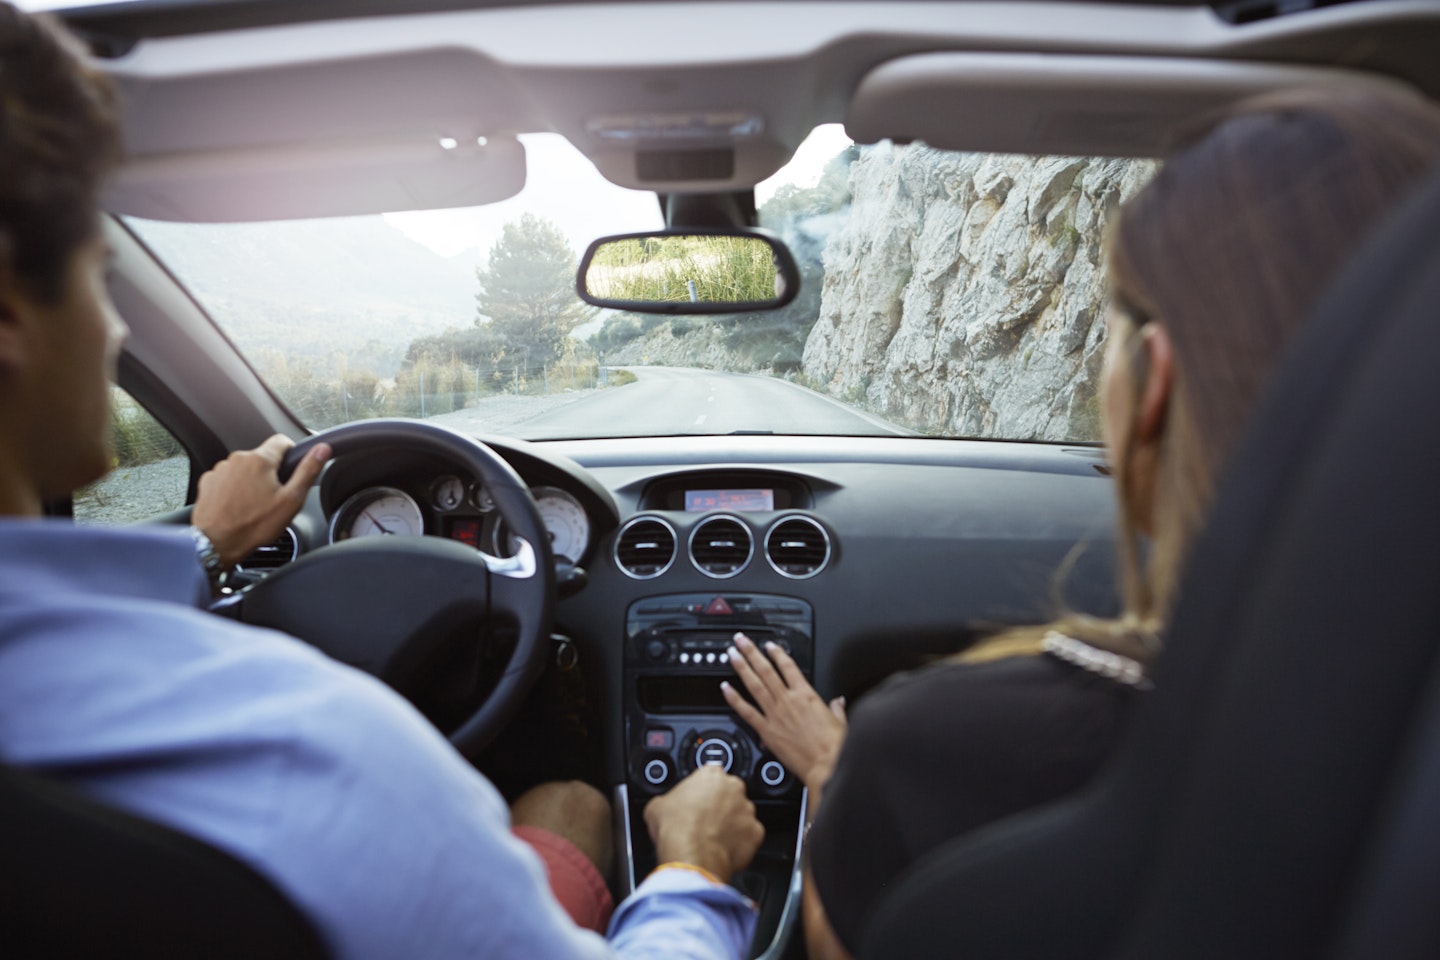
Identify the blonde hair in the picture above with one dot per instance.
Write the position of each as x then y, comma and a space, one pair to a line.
1229, 247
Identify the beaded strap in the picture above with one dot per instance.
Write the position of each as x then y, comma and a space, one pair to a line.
1107, 664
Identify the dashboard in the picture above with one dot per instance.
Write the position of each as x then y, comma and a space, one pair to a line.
905, 547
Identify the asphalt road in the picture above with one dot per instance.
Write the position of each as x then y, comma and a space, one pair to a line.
665, 401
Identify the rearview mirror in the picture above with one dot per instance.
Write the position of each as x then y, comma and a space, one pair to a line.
688, 271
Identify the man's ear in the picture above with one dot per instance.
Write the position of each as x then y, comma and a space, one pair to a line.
14, 311
1159, 382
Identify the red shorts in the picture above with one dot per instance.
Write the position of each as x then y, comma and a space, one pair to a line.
573, 878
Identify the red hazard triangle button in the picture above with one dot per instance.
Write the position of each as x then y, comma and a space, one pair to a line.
718, 608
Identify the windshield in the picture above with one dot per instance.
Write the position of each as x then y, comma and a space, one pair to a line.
942, 294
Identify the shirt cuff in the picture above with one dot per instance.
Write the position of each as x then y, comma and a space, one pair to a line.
678, 913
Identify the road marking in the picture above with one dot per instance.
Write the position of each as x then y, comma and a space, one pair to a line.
700, 419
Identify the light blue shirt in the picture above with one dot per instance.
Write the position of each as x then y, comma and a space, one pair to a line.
115, 680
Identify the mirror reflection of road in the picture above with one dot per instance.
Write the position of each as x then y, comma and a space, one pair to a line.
677, 400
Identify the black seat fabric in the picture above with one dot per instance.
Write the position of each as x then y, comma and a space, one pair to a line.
81, 880
1261, 771
1393, 914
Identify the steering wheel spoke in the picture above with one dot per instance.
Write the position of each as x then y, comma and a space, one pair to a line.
514, 581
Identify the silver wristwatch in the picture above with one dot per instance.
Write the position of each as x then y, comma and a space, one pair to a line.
208, 556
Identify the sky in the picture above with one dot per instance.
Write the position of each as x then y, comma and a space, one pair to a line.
564, 187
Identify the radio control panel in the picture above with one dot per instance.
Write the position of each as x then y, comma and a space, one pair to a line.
675, 658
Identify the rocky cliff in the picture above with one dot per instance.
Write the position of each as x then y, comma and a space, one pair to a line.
965, 293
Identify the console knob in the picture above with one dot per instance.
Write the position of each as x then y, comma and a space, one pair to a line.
657, 650
657, 771
772, 774
715, 752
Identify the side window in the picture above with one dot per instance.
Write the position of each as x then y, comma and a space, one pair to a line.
150, 473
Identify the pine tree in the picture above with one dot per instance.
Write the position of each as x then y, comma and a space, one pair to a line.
527, 303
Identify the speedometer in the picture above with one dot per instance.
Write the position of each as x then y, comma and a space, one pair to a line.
565, 520
378, 512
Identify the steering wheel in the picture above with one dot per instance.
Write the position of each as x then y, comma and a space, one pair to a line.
385, 604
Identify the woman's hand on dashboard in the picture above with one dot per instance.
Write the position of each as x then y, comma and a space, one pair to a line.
796, 725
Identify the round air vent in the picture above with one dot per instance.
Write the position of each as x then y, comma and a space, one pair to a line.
645, 547
273, 555
797, 547
720, 546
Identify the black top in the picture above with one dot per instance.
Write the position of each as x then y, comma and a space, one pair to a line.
935, 753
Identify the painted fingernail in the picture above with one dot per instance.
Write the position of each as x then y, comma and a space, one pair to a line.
741, 640
733, 654
725, 685
771, 645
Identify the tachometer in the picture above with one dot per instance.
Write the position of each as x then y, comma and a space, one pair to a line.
565, 519
567, 522
378, 512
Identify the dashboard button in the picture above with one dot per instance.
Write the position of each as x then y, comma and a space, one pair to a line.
772, 774
657, 772
659, 738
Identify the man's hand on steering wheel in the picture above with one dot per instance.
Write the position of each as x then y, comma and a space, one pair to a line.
392, 605
241, 503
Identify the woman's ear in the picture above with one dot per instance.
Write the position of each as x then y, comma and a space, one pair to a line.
1154, 405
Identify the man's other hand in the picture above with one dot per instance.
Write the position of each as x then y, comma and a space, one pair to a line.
241, 503
706, 821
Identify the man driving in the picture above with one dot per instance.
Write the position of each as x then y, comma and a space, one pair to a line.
115, 681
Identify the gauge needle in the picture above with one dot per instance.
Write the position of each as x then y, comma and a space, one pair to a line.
378, 525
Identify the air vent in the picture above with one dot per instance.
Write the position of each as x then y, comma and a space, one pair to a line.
645, 547
720, 546
276, 553
797, 547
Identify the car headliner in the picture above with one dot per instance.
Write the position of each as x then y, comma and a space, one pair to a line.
236, 97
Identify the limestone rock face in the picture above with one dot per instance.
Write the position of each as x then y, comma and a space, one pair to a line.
965, 293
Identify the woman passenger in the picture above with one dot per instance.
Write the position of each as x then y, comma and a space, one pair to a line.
1214, 266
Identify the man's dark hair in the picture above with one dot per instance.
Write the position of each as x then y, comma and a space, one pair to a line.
59, 137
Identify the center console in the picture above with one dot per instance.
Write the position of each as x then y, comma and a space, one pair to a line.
677, 720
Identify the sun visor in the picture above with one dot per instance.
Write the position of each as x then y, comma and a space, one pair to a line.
1061, 104
319, 179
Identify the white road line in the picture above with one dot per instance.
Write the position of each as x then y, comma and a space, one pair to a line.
700, 419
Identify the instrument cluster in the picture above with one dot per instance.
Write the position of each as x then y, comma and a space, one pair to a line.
460, 509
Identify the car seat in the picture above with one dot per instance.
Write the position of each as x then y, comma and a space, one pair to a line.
1278, 795
78, 879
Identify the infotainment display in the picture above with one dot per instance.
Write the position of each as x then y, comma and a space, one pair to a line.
755, 499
